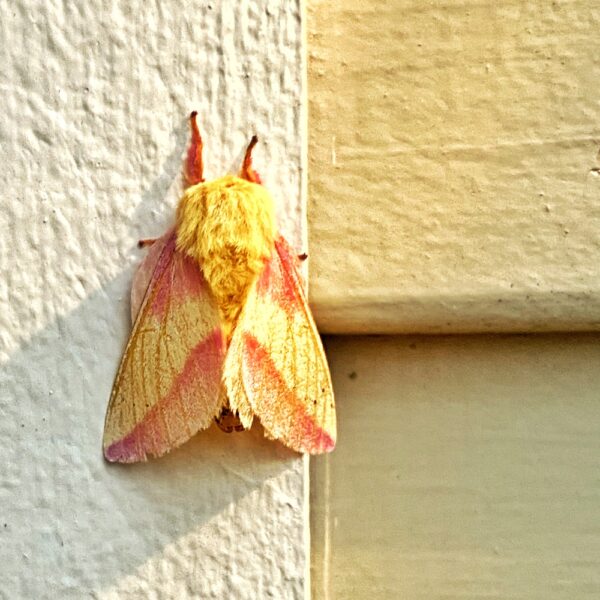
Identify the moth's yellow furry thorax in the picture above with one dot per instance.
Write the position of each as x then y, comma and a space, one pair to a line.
228, 226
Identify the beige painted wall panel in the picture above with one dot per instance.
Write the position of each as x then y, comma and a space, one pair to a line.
454, 165
466, 467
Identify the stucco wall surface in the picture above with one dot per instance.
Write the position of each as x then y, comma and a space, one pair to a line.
94, 103
454, 165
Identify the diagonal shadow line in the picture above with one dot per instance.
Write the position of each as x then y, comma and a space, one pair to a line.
63, 509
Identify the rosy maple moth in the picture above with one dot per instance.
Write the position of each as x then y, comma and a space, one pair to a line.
222, 330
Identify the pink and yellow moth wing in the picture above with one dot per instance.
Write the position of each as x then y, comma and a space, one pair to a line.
168, 384
276, 365
143, 275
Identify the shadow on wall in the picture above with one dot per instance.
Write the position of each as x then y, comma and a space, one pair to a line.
73, 524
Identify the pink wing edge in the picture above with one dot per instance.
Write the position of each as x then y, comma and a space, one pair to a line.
143, 275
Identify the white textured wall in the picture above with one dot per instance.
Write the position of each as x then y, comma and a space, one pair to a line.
94, 100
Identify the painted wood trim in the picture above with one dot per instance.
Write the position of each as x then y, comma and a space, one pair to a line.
454, 178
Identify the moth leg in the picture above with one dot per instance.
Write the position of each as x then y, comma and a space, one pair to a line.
228, 421
146, 242
194, 166
247, 172
223, 427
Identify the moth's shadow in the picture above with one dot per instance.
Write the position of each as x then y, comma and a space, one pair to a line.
197, 493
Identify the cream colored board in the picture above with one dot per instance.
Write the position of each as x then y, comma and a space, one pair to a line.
454, 166
466, 467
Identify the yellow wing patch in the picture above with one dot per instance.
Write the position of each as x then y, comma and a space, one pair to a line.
168, 383
276, 365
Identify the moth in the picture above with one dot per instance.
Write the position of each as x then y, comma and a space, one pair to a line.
222, 330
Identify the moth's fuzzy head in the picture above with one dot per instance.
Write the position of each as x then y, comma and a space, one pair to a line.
226, 213
228, 227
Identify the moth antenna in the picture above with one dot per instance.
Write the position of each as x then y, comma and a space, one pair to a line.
247, 172
194, 166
